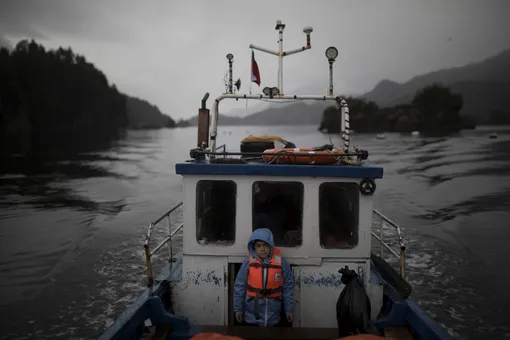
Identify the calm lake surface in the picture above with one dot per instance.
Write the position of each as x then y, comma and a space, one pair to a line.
71, 229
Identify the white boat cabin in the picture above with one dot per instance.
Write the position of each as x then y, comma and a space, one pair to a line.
320, 216
320, 219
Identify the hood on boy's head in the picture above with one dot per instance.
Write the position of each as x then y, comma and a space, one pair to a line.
262, 234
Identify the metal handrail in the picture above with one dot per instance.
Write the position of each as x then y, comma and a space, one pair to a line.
167, 240
223, 146
171, 233
402, 246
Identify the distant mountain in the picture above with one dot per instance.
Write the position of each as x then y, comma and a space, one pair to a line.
480, 97
484, 86
225, 120
144, 115
300, 113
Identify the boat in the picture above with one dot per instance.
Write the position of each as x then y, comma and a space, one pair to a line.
193, 293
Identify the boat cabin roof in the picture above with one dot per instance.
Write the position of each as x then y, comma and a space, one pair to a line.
263, 169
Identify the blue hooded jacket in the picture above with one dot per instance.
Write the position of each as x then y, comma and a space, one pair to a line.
269, 309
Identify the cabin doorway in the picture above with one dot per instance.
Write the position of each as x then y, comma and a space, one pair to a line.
233, 269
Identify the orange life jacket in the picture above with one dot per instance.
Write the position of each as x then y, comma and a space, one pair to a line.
273, 287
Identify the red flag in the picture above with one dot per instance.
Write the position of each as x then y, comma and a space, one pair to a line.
255, 75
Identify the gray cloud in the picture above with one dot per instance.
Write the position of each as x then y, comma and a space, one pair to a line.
172, 52
5, 43
91, 20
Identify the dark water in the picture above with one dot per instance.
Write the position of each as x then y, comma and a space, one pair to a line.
71, 231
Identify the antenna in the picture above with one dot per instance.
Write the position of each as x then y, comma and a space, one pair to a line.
280, 53
331, 54
225, 81
230, 58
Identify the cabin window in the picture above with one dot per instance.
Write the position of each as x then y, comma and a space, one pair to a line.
338, 215
278, 206
216, 212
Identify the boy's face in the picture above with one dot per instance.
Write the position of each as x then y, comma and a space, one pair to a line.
262, 249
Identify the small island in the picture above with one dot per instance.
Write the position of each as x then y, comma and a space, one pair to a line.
435, 110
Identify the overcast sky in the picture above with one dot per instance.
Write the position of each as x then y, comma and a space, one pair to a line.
172, 52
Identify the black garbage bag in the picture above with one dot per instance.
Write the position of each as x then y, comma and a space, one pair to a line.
353, 306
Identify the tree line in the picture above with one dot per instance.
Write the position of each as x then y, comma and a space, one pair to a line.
52, 98
435, 110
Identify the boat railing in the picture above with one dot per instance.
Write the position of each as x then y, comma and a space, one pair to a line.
168, 240
222, 146
171, 232
401, 255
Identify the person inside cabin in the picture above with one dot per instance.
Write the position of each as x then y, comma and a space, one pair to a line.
337, 219
273, 210
336, 235
263, 282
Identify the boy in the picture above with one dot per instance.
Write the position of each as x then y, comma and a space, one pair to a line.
264, 280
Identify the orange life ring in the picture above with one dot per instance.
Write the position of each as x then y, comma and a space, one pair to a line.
301, 156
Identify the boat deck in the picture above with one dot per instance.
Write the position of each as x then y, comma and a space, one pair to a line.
285, 333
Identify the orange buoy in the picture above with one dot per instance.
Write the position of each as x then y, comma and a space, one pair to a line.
301, 156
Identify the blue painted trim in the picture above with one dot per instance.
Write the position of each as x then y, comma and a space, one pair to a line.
375, 278
400, 312
396, 316
159, 316
424, 325
279, 170
131, 321
130, 324
387, 288
172, 271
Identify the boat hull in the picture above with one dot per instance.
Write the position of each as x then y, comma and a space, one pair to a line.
154, 304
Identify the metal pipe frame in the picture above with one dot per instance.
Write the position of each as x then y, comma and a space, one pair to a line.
148, 253
341, 102
280, 53
400, 256
168, 239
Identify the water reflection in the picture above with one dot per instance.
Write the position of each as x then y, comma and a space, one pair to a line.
424, 142
44, 186
498, 201
45, 180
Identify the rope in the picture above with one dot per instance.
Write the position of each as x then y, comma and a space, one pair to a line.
227, 160
340, 159
276, 157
